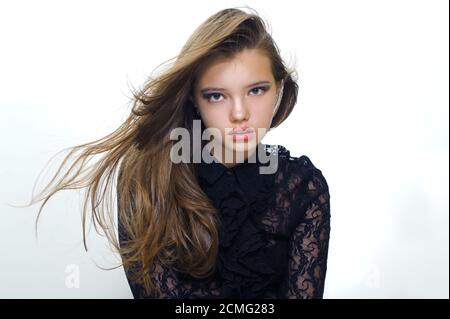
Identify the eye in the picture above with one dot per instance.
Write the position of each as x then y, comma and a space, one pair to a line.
213, 97
262, 88
208, 96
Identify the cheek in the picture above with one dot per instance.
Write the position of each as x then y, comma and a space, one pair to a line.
213, 118
262, 115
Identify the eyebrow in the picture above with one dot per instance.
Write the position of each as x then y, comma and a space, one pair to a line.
221, 89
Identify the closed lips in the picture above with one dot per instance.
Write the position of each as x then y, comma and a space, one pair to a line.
242, 132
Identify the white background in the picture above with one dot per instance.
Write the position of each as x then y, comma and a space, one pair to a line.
372, 114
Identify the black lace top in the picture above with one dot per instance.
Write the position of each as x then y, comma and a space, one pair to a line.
273, 235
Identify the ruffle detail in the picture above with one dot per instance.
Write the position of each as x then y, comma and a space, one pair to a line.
244, 266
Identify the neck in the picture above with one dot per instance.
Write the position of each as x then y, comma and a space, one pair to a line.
244, 155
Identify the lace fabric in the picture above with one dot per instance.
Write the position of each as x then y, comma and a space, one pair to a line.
273, 235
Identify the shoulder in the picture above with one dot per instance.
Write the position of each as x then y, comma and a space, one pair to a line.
299, 172
292, 164
303, 187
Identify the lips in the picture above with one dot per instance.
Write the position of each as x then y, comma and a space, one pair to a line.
243, 135
239, 131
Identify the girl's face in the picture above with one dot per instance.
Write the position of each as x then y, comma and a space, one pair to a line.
234, 94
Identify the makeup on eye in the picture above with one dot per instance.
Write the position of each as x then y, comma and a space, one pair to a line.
207, 96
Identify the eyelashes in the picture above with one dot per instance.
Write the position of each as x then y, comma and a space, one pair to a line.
216, 95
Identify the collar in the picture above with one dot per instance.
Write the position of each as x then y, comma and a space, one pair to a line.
247, 172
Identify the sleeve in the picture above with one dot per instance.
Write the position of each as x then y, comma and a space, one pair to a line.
308, 246
163, 277
170, 283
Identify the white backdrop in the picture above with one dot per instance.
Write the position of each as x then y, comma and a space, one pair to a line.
372, 114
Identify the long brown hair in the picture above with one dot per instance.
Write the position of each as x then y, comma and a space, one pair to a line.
163, 212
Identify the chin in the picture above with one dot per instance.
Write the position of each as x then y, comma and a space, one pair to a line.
237, 147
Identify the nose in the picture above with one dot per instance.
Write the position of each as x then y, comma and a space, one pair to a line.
239, 112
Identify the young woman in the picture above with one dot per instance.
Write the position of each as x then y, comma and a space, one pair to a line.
221, 228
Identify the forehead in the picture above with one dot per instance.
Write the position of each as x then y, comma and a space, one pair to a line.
243, 68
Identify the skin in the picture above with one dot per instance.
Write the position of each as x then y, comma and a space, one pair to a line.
237, 104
